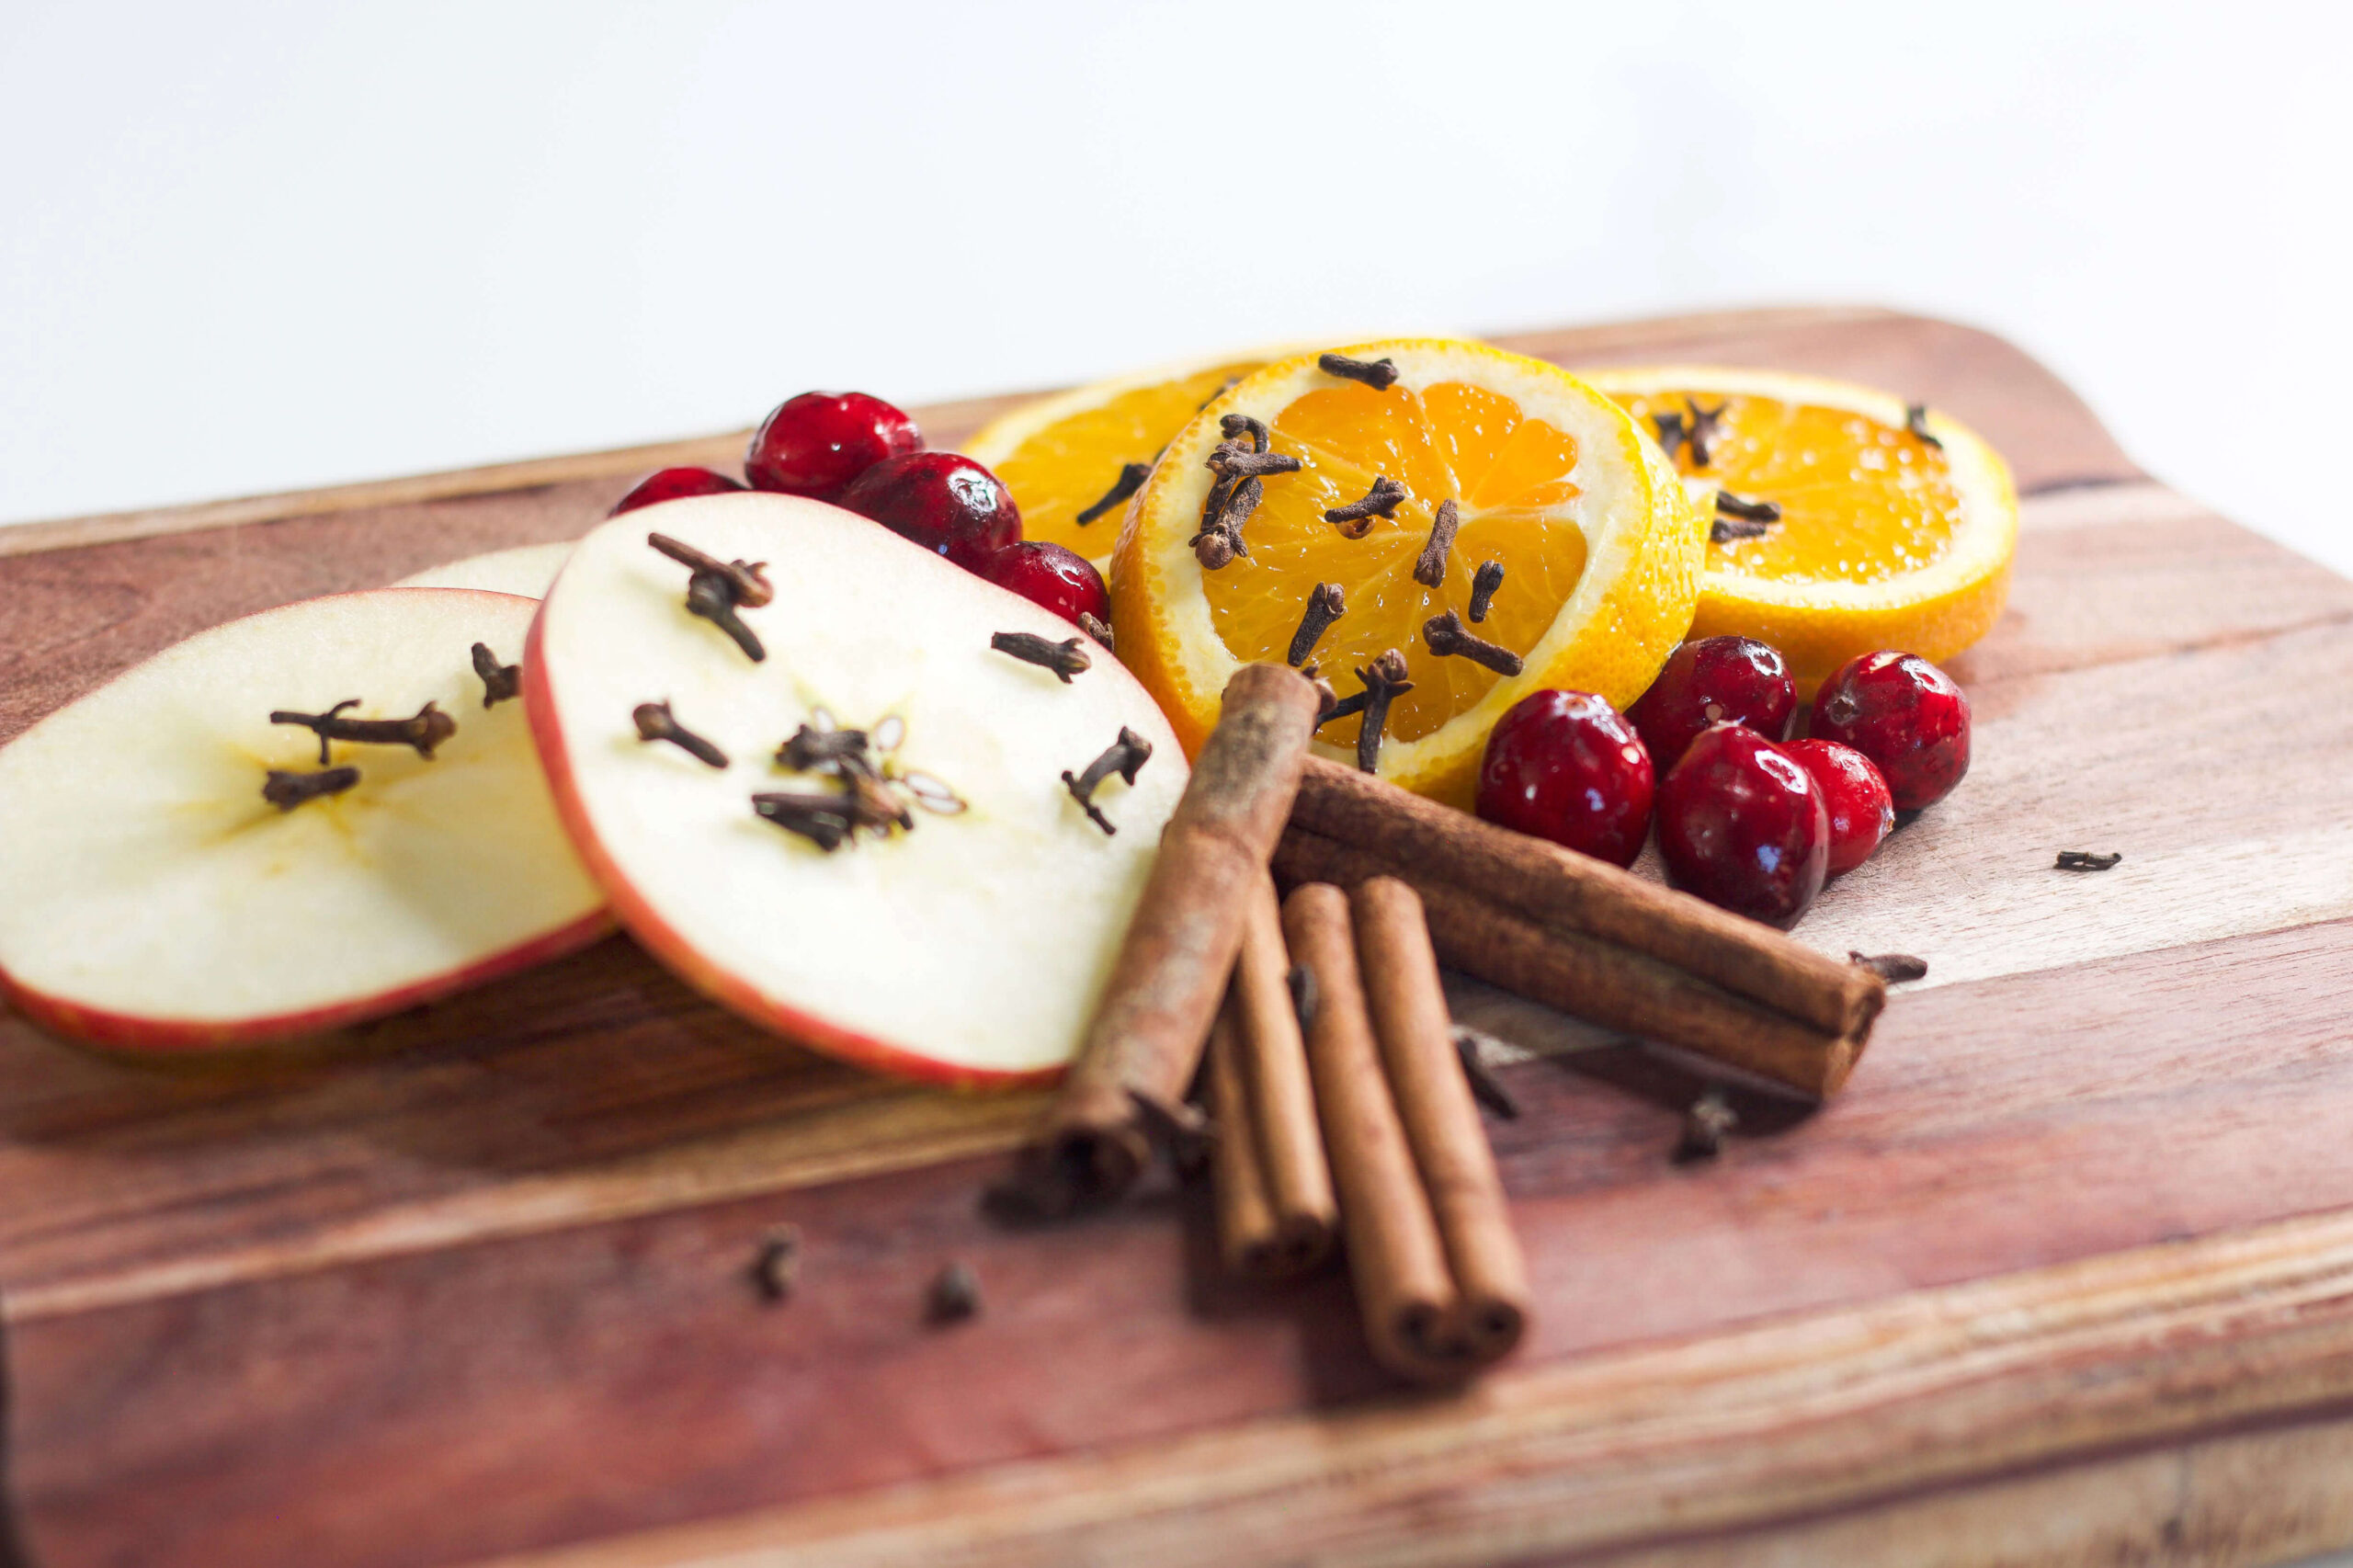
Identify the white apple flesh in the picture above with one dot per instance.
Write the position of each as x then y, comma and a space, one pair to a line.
155, 899
526, 570
970, 949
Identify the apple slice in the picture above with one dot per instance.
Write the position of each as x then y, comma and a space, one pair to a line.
157, 900
967, 948
527, 570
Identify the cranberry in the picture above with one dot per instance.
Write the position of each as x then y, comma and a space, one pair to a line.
1742, 824
669, 485
1854, 794
1909, 717
1712, 680
941, 501
815, 444
1061, 579
1566, 765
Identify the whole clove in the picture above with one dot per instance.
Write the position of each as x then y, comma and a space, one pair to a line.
287, 790
711, 597
812, 750
1706, 426
1447, 638
1124, 757
1326, 604
1130, 480
1915, 422
716, 589
1221, 540
1484, 584
2084, 860
655, 722
1891, 966
1672, 432
775, 1267
1238, 426
1380, 501
1378, 374
954, 1294
1429, 568
1065, 658
1741, 517
1233, 460
499, 681
823, 819
1098, 630
423, 731
1384, 682
1710, 1118
1485, 1087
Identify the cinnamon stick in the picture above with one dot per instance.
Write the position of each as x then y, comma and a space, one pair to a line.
1396, 1256
1267, 1117
1560, 889
1611, 985
1442, 1123
1149, 1029
1245, 1221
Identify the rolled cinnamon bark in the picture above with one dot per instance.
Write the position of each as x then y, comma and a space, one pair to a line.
1149, 1029
1245, 1222
1442, 1122
1270, 1062
1395, 1257
1608, 984
1559, 890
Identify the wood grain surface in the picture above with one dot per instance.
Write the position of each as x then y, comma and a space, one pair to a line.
2065, 1277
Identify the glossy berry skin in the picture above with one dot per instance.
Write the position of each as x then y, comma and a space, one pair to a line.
1714, 680
1742, 824
814, 445
1567, 767
669, 485
943, 502
1909, 717
1861, 810
1061, 579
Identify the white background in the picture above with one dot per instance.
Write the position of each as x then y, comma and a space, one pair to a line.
248, 247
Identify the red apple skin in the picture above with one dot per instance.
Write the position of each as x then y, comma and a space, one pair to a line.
675, 954
137, 1033
134, 1032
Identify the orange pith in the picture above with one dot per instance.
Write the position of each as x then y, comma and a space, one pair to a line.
1861, 501
1508, 476
1061, 470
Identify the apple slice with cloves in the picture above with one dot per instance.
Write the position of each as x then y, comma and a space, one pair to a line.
293, 822
819, 773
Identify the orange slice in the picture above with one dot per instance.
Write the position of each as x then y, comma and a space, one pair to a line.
1887, 537
1061, 454
1597, 544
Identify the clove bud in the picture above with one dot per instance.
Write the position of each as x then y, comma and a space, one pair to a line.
499, 681
1380, 501
655, 722
423, 731
1429, 568
287, 790
1065, 658
1384, 682
1124, 757
1448, 637
1484, 584
1326, 604
1378, 374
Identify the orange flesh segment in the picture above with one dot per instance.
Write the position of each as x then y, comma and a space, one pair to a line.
1861, 501
1511, 479
1066, 467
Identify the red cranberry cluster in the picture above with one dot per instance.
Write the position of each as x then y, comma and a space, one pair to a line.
861, 453
1745, 819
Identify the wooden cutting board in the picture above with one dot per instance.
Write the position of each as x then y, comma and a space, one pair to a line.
2065, 1277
